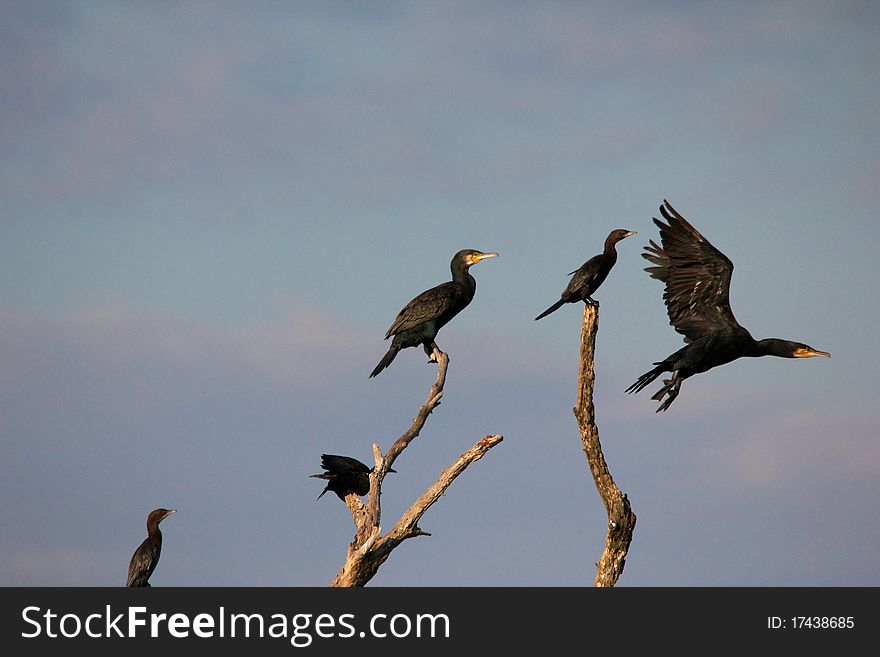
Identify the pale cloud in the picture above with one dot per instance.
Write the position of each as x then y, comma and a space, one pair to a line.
780, 448
34, 566
306, 347
121, 103
751, 109
184, 115
498, 355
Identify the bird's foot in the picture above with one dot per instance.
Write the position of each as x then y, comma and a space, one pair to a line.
667, 384
430, 351
665, 404
433, 352
671, 388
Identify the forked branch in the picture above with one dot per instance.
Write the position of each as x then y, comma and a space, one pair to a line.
435, 394
370, 548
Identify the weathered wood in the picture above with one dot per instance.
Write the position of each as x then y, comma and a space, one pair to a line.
370, 549
382, 465
363, 560
621, 519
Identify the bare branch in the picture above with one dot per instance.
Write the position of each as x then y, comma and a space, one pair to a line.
383, 464
432, 402
363, 562
621, 519
369, 549
370, 542
407, 525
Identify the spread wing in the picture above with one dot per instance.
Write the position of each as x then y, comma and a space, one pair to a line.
430, 304
342, 464
696, 276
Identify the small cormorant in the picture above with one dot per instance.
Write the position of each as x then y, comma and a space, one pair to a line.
591, 274
144, 560
697, 297
419, 320
344, 475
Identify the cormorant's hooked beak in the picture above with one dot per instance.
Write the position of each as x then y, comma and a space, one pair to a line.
630, 233
474, 258
482, 256
810, 353
170, 511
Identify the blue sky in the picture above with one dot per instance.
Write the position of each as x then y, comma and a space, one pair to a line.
212, 212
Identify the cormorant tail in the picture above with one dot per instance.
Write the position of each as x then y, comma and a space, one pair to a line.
323, 475
554, 307
386, 360
647, 377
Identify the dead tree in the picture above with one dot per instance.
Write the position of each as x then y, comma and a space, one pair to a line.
621, 519
370, 548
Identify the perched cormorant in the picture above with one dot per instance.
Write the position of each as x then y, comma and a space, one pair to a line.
697, 280
344, 475
420, 319
591, 274
144, 560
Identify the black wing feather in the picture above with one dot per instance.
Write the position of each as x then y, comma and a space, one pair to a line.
336, 464
344, 475
430, 304
143, 562
696, 276
583, 278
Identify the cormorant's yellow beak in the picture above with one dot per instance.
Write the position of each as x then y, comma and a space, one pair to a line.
630, 232
810, 353
482, 256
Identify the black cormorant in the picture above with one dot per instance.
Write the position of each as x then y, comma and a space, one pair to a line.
591, 274
144, 560
418, 322
697, 280
344, 475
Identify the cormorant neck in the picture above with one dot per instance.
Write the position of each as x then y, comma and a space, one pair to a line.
774, 347
610, 244
460, 274
153, 524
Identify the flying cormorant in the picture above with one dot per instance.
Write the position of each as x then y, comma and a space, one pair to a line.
420, 319
591, 274
697, 280
144, 560
344, 475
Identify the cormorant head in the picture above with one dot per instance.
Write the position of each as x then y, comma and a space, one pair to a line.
468, 257
619, 234
789, 349
158, 515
